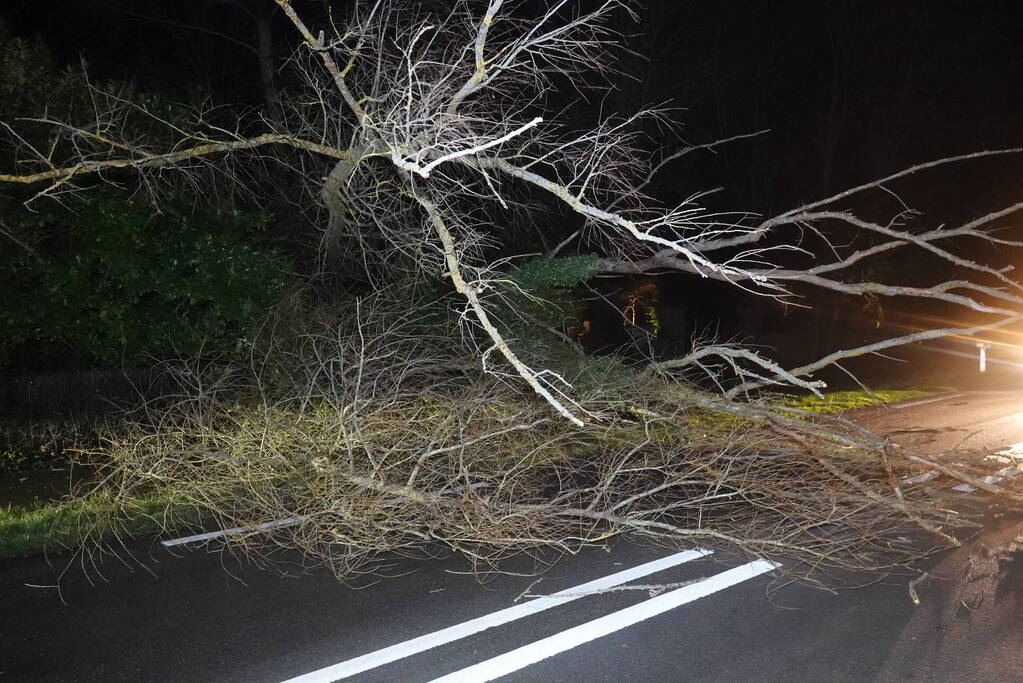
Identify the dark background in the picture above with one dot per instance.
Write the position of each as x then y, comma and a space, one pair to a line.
850, 91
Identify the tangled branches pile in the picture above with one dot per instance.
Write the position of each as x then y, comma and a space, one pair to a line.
400, 445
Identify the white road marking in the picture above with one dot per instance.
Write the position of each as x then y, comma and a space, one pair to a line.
925, 401
276, 524
1013, 451
458, 631
522, 657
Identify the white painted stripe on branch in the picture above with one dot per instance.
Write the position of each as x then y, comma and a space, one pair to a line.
458, 631
989, 479
1000, 475
276, 524
522, 657
921, 478
925, 401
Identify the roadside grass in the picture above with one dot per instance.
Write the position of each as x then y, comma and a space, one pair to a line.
842, 401
92, 519
707, 421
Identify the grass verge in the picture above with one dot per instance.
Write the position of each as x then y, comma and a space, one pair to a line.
842, 401
93, 518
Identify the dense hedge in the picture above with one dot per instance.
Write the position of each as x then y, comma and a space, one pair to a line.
105, 276
117, 281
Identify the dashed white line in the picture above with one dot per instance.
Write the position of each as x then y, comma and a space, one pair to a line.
522, 657
1000, 475
452, 633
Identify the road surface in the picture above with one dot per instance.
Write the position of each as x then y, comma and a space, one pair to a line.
204, 616
975, 420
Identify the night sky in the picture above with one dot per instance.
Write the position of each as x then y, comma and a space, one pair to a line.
849, 90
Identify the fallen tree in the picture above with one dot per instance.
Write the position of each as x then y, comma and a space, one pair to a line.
412, 138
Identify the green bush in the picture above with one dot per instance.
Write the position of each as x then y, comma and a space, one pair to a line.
120, 281
105, 276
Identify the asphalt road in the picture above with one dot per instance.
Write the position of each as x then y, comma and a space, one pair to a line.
202, 616
974, 420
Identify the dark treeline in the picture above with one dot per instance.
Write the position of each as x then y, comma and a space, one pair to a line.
849, 90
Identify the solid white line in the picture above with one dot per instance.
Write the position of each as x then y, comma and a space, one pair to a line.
458, 631
522, 657
925, 401
276, 524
